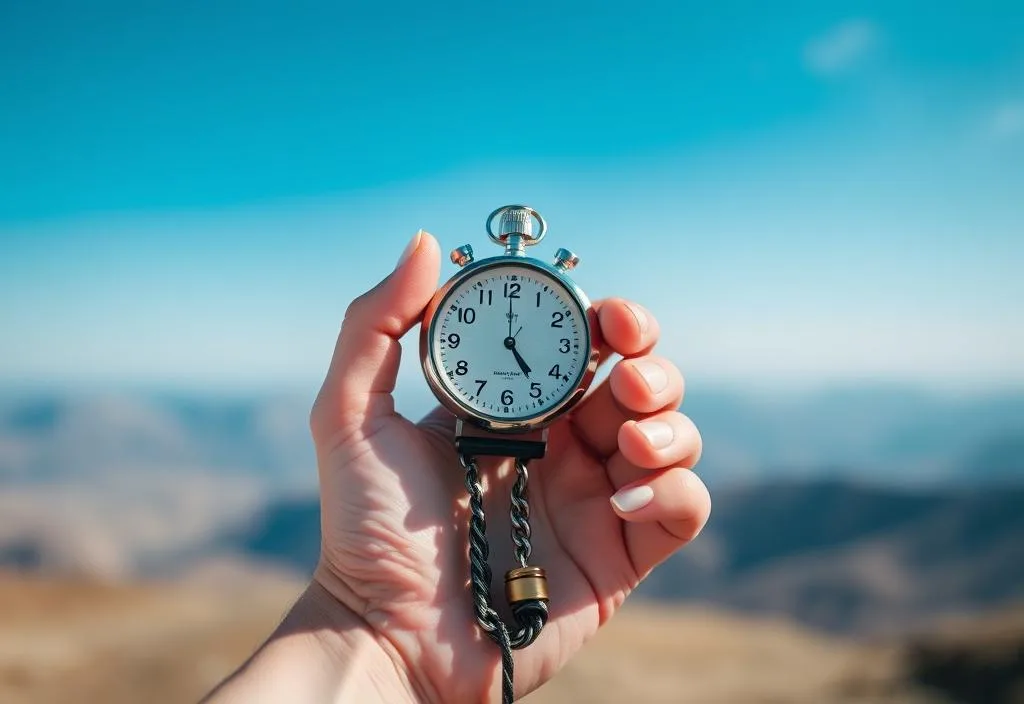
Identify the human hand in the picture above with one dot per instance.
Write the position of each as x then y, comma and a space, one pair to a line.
394, 514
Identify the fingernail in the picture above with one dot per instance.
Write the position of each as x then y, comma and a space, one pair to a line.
410, 248
641, 316
632, 499
653, 374
658, 433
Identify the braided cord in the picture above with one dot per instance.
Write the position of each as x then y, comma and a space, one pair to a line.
530, 615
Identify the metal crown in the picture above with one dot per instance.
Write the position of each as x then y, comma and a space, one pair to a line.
515, 228
516, 221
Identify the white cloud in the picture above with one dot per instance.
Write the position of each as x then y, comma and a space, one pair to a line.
840, 48
1007, 121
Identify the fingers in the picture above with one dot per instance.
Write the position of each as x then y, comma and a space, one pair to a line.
627, 328
663, 511
365, 363
646, 445
660, 440
664, 503
636, 387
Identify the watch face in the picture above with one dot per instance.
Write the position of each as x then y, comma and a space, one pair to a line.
509, 342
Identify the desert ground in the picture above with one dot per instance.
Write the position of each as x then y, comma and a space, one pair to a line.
73, 640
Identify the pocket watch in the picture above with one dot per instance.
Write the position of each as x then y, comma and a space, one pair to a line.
508, 345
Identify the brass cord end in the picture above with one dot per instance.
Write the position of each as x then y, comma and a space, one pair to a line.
525, 584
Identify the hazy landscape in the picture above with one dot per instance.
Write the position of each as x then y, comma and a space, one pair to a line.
151, 540
69, 640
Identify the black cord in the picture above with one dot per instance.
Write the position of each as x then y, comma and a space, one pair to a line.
530, 614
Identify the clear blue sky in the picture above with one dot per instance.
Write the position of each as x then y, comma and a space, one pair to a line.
813, 192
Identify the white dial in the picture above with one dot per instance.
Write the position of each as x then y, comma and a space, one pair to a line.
510, 342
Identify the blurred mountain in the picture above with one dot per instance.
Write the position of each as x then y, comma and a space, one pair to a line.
887, 434
120, 485
54, 438
834, 556
846, 557
858, 511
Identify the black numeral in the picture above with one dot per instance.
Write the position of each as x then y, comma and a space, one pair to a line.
490, 296
467, 315
556, 319
454, 340
535, 391
506, 397
461, 367
481, 383
564, 346
512, 290
555, 372
538, 299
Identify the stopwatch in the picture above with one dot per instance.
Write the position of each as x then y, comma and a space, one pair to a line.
508, 345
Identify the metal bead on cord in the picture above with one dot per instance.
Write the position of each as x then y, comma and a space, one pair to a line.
531, 613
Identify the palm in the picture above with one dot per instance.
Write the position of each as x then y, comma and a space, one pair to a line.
395, 534
395, 516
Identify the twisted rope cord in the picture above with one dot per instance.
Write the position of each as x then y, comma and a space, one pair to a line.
530, 615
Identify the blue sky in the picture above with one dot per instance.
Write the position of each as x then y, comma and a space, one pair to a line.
809, 193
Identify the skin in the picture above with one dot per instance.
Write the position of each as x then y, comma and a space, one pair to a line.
387, 616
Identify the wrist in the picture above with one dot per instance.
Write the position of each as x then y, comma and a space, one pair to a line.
322, 651
363, 664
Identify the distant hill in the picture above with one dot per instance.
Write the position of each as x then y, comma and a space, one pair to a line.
887, 435
831, 555
854, 511
53, 438
874, 433
852, 558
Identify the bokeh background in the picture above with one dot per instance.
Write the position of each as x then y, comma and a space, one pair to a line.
823, 203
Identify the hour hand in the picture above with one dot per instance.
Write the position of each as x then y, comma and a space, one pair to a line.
522, 362
510, 343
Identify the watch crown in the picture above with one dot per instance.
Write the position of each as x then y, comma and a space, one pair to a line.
515, 228
516, 220
566, 260
461, 256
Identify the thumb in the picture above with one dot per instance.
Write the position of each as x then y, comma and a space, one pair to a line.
363, 370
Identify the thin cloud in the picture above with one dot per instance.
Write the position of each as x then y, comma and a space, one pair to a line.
841, 48
1007, 121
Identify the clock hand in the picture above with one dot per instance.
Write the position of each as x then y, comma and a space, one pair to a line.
517, 332
522, 362
510, 316
510, 344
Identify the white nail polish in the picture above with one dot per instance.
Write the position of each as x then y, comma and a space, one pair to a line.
410, 248
659, 434
633, 499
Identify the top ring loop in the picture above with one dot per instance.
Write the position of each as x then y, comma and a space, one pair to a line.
533, 239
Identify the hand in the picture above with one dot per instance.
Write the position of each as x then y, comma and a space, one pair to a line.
394, 513
394, 516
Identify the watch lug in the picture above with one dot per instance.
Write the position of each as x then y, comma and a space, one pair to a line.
524, 446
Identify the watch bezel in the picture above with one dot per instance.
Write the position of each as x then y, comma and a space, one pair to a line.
490, 423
